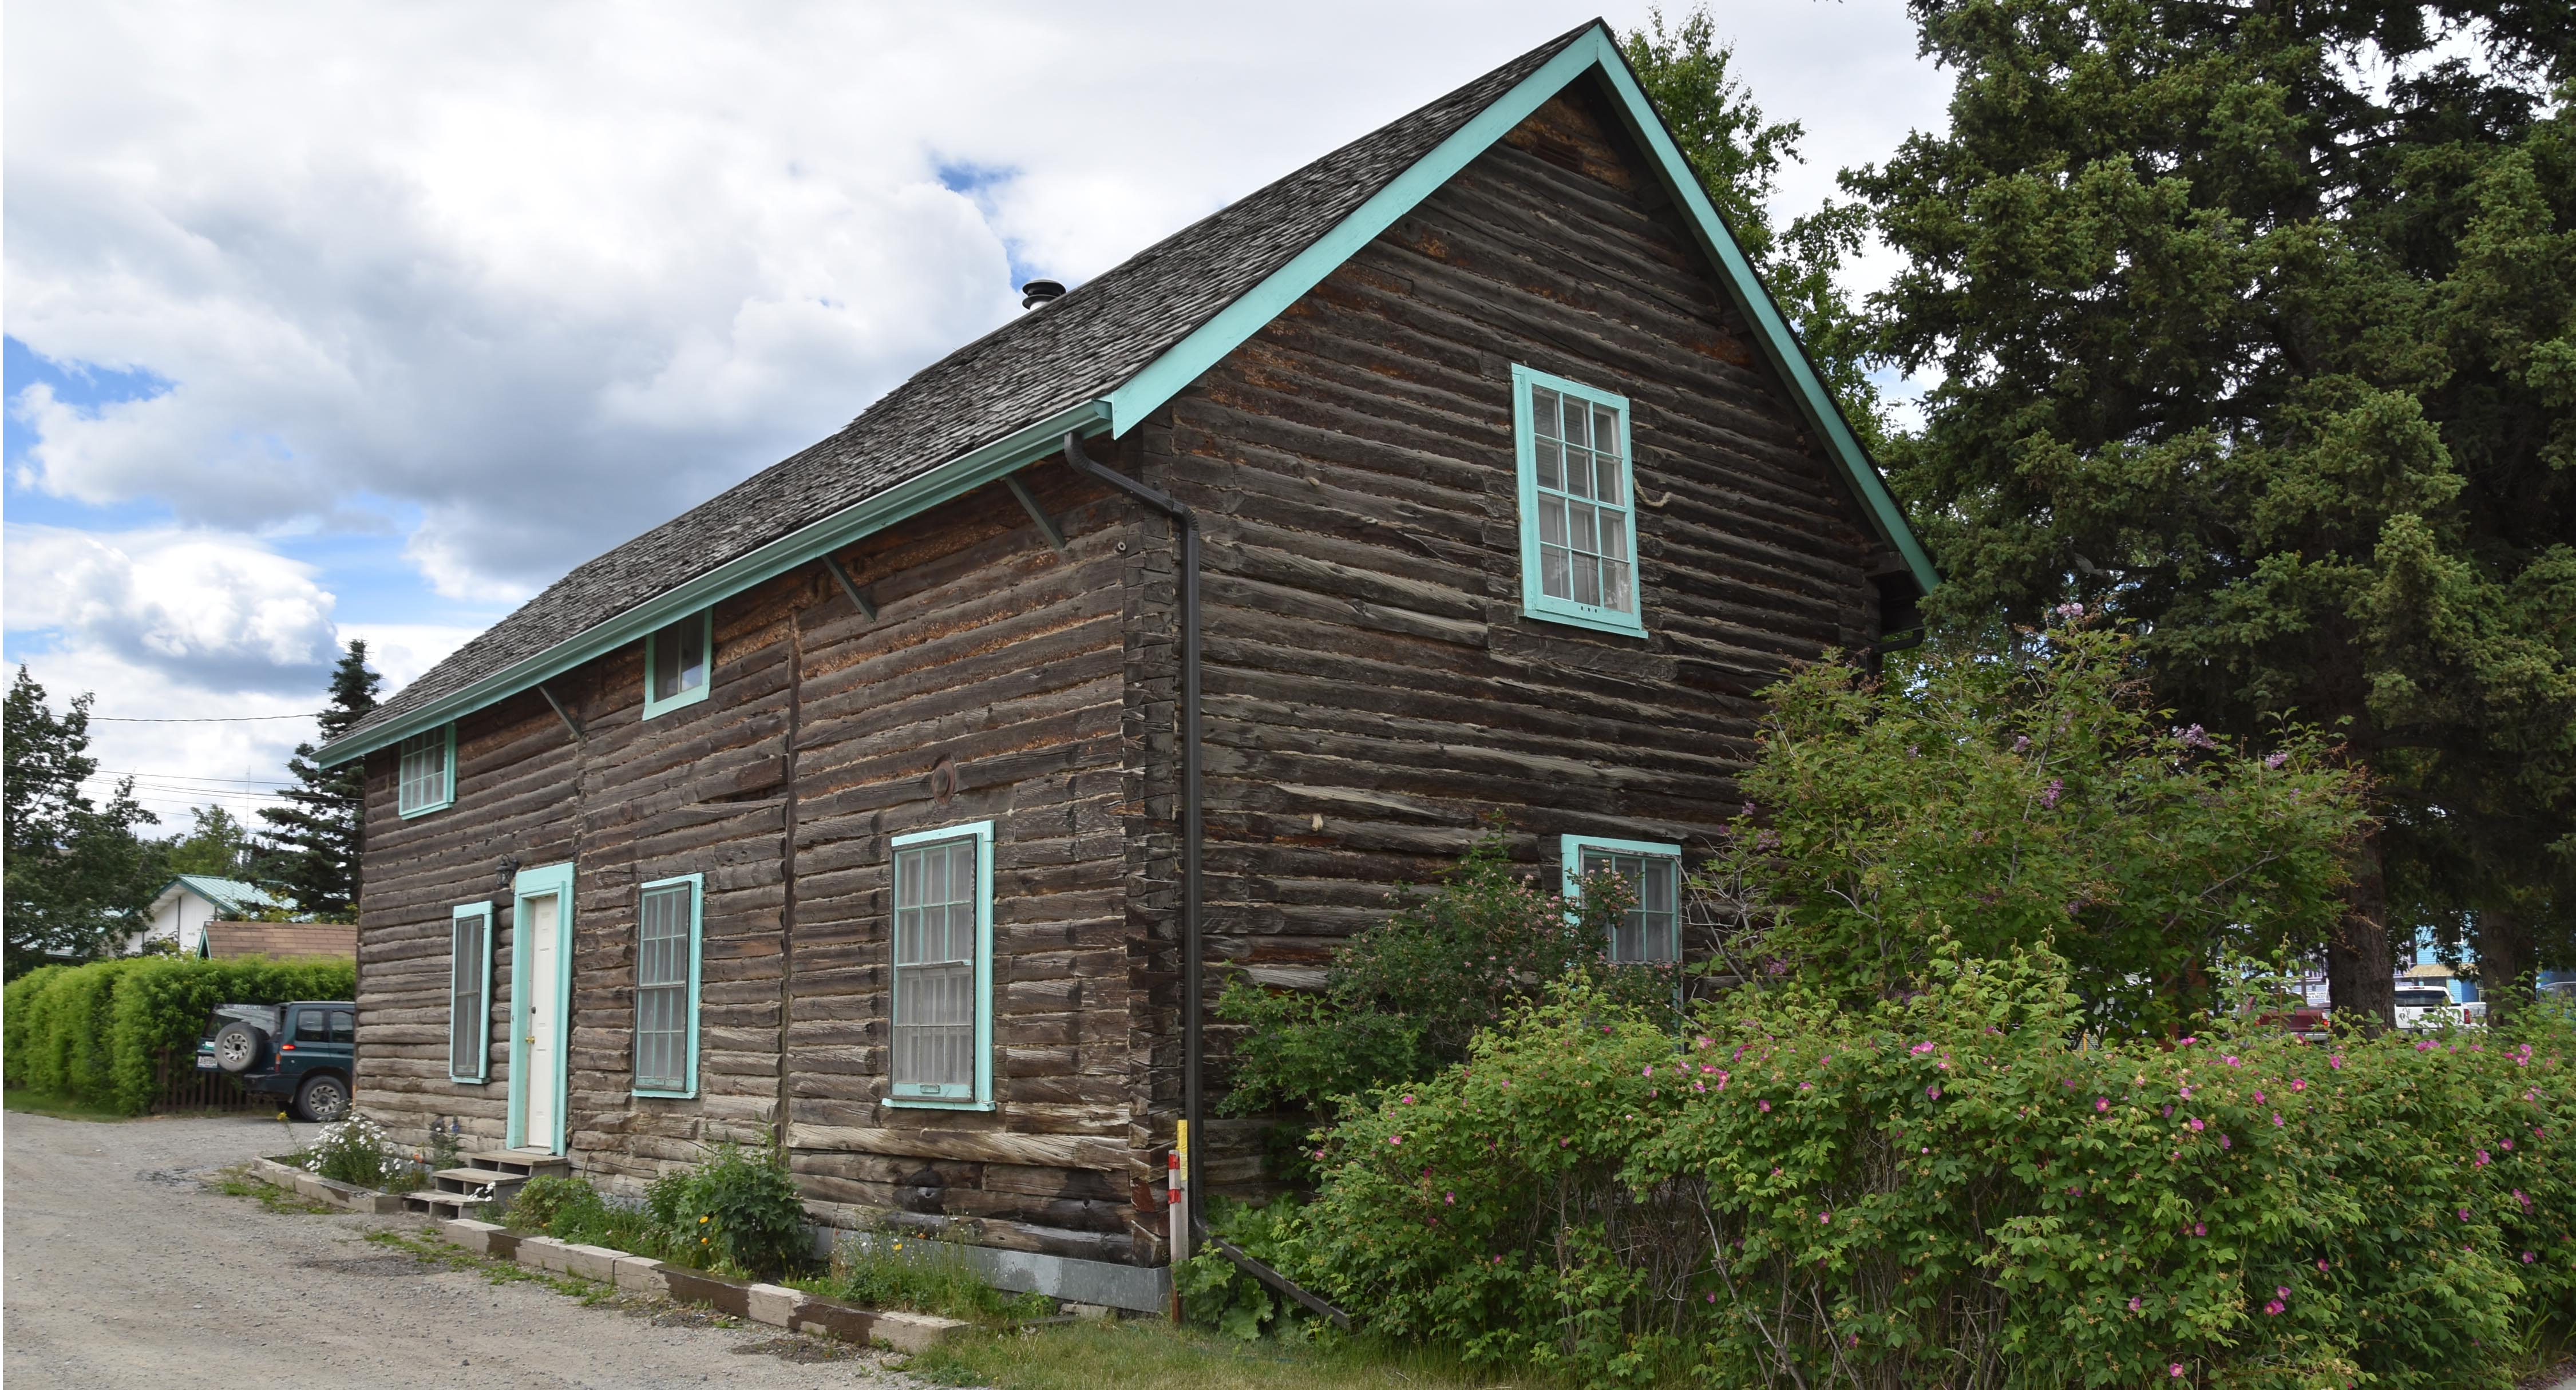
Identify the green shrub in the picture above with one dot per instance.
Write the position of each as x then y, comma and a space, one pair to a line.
1406, 994
355, 1151
98, 1032
736, 1213
1943, 1190
1218, 1294
2024, 797
920, 1274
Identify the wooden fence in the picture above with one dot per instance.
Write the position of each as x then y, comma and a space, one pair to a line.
182, 1085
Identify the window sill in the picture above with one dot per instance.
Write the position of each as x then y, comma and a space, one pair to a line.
418, 811
656, 708
1599, 620
663, 1095
936, 1103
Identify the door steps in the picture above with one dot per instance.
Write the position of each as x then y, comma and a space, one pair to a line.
486, 1183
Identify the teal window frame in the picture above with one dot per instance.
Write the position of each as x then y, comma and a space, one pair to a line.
1570, 856
654, 704
697, 886
444, 738
460, 983
1536, 602
981, 832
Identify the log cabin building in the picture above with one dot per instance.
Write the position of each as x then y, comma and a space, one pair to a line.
904, 804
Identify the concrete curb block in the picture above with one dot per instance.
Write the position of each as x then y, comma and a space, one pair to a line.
324, 1190
774, 1305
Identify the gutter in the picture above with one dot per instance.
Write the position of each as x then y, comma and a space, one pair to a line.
1193, 951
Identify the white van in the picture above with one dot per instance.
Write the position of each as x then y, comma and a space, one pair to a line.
2421, 1006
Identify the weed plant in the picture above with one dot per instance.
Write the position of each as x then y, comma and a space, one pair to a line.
921, 1275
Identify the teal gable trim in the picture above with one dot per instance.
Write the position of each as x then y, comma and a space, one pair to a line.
697, 941
982, 831
961, 475
1169, 374
536, 883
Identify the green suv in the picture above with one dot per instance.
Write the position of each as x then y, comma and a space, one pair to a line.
305, 1051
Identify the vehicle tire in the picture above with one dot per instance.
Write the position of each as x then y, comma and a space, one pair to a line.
240, 1047
323, 1098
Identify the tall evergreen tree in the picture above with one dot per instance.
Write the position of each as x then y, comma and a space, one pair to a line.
77, 878
1686, 70
311, 853
2257, 323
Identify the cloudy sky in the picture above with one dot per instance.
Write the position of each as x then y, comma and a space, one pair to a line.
349, 320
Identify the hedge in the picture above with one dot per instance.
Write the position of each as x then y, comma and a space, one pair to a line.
97, 1032
1959, 1188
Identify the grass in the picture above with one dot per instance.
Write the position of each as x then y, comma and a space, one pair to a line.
922, 1276
1155, 1355
431, 1250
237, 1182
27, 1102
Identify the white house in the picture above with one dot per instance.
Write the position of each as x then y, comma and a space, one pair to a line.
183, 908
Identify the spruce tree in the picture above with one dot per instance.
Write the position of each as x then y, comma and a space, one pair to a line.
311, 850
77, 876
2256, 323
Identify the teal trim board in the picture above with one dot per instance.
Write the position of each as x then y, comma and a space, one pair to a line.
1594, 50
480, 964
981, 832
1536, 602
697, 886
957, 477
547, 879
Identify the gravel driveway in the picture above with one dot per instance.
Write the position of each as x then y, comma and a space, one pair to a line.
124, 1269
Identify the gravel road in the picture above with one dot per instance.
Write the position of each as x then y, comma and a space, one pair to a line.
123, 1268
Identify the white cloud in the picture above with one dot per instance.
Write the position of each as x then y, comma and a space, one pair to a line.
540, 277
191, 643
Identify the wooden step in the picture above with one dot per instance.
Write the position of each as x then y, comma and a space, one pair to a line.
518, 1163
477, 1182
444, 1205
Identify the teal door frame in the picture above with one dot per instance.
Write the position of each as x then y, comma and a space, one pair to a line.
555, 879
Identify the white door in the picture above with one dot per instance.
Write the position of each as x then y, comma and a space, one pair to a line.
538, 925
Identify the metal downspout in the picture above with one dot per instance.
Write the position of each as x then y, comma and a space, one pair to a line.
1191, 948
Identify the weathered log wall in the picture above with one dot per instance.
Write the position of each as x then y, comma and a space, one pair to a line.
1373, 689
991, 685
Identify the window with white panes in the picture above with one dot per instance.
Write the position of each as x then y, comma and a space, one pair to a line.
666, 986
425, 778
469, 992
1578, 504
676, 661
943, 946
1649, 932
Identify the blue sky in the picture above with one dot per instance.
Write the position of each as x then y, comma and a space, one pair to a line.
368, 321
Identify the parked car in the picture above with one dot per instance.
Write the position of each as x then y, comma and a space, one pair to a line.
2308, 1023
303, 1051
2421, 1007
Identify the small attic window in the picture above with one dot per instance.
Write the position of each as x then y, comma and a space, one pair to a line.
676, 659
1578, 517
425, 781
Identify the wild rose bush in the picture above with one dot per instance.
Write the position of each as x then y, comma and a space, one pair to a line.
1943, 1191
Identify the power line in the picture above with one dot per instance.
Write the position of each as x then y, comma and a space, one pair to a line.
214, 719
189, 777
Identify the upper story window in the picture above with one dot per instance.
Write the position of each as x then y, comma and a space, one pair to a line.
1649, 932
426, 778
943, 953
676, 661
1578, 509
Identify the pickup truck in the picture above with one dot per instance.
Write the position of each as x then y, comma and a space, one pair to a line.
2420, 1008
303, 1051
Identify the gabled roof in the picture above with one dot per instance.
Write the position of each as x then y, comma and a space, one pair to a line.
227, 894
1101, 358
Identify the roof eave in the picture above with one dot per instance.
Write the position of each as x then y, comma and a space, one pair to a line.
952, 479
